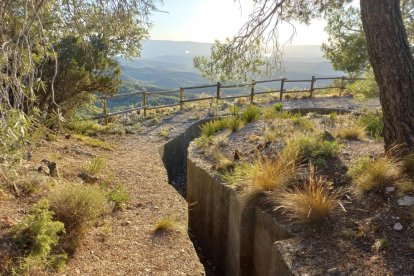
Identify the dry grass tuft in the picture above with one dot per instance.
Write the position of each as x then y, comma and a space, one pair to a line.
165, 225
262, 175
374, 176
93, 142
353, 133
223, 164
313, 203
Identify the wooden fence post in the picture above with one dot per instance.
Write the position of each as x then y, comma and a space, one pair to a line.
218, 90
282, 87
181, 98
252, 92
144, 103
105, 110
312, 86
341, 90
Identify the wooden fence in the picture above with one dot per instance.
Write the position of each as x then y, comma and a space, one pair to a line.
218, 95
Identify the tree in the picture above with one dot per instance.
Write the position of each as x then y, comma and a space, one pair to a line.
388, 51
31, 29
223, 65
347, 48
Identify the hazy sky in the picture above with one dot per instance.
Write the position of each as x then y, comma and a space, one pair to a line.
207, 20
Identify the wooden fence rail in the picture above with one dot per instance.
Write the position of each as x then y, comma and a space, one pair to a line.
219, 96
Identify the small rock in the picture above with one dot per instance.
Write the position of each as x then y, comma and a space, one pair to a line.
398, 227
126, 223
43, 169
406, 201
333, 270
327, 136
67, 136
53, 169
390, 189
237, 154
88, 178
411, 246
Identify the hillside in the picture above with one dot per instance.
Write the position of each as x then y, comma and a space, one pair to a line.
168, 64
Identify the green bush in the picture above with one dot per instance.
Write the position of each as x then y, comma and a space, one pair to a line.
251, 114
278, 107
210, 128
373, 124
365, 89
310, 147
118, 196
38, 233
234, 123
78, 207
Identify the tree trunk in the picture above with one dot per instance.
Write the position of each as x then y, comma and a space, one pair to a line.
393, 65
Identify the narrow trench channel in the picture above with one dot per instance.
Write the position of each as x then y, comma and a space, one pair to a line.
174, 157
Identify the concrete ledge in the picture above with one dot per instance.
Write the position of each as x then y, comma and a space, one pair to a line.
238, 236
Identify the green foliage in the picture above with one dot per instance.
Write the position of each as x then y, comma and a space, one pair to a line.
359, 166
118, 196
365, 89
234, 123
94, 142
251, 113
311, 147
78, 207
13, 131
224, 64
278, 107
373, 123
302, 122
96, 165
212, 127
38, 233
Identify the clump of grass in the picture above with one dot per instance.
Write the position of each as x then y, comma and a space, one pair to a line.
166, 224
278, 107
114, 128
302, 122
84, 126
93, 142
262, 175
310, 147
359, 166
96, 165
118, 196
285, 115
373, 124
203, 141
234, 123
234, 110
223, 164
352, 133
253, 138
251, 113
212, 127
164, 133
312, 203
408, 163
333, 115
374, 176
78, 207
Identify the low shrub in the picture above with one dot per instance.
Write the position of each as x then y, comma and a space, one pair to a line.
212, 127
311, 147
278, 107
312, 203
234, 123
37, 233
96, 165
373, 176
373, 124
352, 133
118, 196
302, 122
78, 207
94, 142
365, 89
251, 113
164, 133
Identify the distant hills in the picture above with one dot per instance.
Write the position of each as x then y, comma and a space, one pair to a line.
168, 64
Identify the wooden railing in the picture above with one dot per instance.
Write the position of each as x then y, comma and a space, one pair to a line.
219, 88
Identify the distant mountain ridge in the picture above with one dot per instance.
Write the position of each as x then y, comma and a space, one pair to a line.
168, 64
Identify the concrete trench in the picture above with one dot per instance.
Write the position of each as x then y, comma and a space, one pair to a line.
239, 238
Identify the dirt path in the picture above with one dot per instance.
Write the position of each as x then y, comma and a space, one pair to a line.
128, 246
